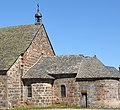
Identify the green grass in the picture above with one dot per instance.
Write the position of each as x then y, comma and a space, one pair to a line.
41, 108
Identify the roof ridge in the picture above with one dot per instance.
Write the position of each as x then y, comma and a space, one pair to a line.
16, 26
78, 55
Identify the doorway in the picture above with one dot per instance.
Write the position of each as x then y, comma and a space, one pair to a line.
84, 100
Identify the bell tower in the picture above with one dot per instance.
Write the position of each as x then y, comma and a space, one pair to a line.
38, 16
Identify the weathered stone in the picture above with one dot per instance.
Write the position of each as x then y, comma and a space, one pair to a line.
38, 77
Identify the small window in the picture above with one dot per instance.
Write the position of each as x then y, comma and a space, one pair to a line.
63, 91
29, 91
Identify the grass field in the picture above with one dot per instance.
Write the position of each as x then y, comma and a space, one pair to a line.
50, 107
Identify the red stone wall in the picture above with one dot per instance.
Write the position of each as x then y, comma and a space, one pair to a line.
40, 46
72, 92
100, 93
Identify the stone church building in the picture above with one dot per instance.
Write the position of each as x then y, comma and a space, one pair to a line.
31, 73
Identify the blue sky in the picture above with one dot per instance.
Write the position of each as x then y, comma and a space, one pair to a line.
89, 27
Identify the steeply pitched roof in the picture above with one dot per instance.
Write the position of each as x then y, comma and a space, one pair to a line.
85, 67
56, 65
94, 68
14, 41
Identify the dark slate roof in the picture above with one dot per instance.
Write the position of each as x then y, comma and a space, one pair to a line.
37, 75
85, 67
113, 70
56, 65
91, 67
14, 41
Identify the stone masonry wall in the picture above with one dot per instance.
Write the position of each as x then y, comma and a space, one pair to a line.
101, 93
107, 93
119, 89
39, 46
87, 87
72, 93
3, 91
14, 89
42, 94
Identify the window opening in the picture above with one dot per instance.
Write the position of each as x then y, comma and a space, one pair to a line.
29, 91
63, 91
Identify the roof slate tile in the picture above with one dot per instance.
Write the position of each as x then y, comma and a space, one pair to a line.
14, 41
85, 67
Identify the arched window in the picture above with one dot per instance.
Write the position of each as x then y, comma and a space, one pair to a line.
63, 91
